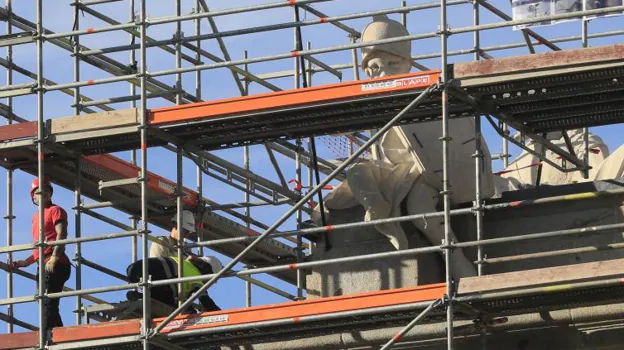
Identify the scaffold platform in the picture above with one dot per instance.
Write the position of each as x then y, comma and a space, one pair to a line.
486, 301
537, 93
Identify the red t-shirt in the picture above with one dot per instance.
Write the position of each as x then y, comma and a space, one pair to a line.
52, 215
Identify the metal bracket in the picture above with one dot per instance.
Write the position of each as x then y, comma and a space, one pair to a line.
489, 110
115, 183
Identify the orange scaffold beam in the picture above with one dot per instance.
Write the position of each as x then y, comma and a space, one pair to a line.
292, 311
292, 98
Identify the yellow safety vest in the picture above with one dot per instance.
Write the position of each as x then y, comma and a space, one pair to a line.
189, 270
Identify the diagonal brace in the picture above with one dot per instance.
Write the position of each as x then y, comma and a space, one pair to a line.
414, 322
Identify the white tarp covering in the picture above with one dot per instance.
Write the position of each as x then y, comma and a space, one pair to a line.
523, 9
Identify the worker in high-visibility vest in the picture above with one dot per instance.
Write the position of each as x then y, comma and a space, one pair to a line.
167, 268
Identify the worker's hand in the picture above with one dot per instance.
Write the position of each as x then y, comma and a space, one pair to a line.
19, 263
51, 264
191, 257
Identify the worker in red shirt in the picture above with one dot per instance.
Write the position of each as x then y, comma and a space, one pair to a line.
57, 266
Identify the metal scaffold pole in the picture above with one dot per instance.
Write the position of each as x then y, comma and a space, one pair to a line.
179, 157
198, 93
43, 336
147, 317
247, 197
585, 43
133, 154
9, 181
446, 188
77, 194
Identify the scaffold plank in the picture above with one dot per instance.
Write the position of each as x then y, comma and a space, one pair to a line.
18, 131
26, 340
95, 121
96, 331
536, 62
557, 274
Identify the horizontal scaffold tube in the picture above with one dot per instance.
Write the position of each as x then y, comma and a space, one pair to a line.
222, 34
311, 264
407, 252
289, 55
423, 216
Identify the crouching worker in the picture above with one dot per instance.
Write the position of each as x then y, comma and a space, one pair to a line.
167, 268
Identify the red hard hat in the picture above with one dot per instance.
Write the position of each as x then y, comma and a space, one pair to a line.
35, 185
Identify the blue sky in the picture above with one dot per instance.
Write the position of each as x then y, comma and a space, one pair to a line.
219, 84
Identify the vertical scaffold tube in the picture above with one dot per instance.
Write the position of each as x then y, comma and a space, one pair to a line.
297, 85
299, 214
247, 198
77, 214
133, 219
147, 317
179, 154
198, 93
584, 30
478, 207
446, 196
179, 218
9, 182
354, 57
40, 174
478, 149
78, 233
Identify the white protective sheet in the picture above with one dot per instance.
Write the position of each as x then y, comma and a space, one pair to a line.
612, 167
524, 168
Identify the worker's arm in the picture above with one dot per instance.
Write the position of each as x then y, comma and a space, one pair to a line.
158, 250
23, 263
206, 301
61, 233
59, 250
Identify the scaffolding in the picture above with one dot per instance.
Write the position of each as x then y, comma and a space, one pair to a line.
164, 111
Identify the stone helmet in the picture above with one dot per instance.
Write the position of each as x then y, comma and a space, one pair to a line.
383, 27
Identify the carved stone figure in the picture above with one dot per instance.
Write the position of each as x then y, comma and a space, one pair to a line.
408, 166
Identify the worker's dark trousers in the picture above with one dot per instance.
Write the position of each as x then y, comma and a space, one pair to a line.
53, 283
159, 269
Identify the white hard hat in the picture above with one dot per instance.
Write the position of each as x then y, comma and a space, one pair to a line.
213, 262
383, 27
188, 221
